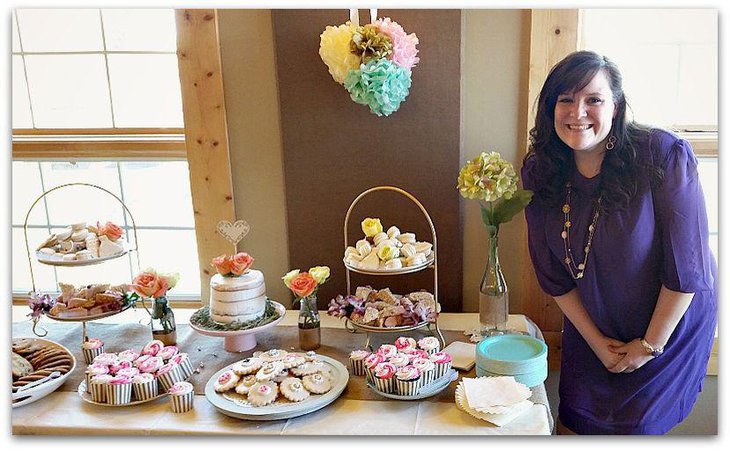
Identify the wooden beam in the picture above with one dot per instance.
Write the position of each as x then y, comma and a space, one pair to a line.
206, 133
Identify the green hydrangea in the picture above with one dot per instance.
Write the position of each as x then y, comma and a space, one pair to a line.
487, 177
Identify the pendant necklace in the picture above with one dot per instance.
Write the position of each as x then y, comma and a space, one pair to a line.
577, 270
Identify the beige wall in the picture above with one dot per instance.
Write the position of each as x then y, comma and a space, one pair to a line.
493, 55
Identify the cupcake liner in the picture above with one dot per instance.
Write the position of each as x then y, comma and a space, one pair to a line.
145, 390
409, 388
168, 379
89, 354
442, 368
427, 377
386, 385
358, 367
98, 391
434, 350
370, 374
186, 368
118, 394
182, 403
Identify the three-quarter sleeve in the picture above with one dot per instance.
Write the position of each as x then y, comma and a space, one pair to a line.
551, 274
679, 206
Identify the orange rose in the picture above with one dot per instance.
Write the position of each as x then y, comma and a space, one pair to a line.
163, 285
111, 230
146, 283
222, 264
303, 284
240, 263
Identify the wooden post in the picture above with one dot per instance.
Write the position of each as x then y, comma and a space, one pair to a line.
206, 133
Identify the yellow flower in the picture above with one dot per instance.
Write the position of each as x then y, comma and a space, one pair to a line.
386, 252
334, 49
487, 177
320, 273
371, 226
289, 276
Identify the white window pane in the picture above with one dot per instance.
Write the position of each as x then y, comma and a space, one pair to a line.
21, 106
714, 246
158, 193
708, 171
115, 272
44, 276
26, 188
81, 203
172, 251
145, 90
140, 29
60, 30
16, 37
697, 101
69, 91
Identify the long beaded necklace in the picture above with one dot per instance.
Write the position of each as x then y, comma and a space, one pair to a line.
576, 271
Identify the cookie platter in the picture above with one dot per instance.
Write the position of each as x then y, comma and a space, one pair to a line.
235, 405
57, 259
45, 357
385, 271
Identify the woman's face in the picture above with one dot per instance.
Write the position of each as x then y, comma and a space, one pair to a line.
583, 119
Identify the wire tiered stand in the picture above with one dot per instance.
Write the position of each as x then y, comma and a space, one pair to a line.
432, 262
74, 263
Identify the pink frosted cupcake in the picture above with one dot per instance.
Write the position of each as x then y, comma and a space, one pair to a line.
131, 372
168, 374
181, 397
403, 343
119, 365
442, 360
408, 380
92, 370
427, 368
385, 377
183, 360
98, 387
128, 355
429, 344
167, 352
106, 358
371, 362
357, 361
149, 365
416, 353
153, 347
400, 360
119, 390
144, 386
387, 351
92, 348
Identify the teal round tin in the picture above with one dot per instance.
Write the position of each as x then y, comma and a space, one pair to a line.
510, 355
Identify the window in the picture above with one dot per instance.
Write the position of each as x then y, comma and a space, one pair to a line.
96, 99
669, 60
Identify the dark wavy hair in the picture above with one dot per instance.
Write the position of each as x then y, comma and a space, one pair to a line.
622, 167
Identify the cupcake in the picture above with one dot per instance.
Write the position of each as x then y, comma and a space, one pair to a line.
98, 387
129, 355
429, 344
415, 353
106, 358
119, 390
400, 360
357, 362
149, 365
427, 368
185, 366
387, 351
403, 343
168, 375
167, 352
442, 360
92, 348
144, 386
131, 372
153, 347
371, 362
408, 380
119, 365
385, 377
181, 396
92, 370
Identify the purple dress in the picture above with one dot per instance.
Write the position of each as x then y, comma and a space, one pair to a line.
660, 239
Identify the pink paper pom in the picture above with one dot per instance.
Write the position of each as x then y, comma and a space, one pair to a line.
404, 45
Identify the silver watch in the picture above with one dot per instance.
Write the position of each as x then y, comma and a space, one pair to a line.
651, 350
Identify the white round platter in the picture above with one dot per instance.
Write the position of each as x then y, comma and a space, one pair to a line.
86, 396
90, 317
435, 387
235, 406
58, 261
395, 329
387, 272
241, 340
46, 388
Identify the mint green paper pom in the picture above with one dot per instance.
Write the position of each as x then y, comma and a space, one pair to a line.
380, 84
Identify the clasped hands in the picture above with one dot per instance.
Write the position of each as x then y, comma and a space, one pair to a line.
620, 357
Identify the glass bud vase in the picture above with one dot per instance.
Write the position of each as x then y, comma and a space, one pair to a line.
309, 331
163, 322
493, 294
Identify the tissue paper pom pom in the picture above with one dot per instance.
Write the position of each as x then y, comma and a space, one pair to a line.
334, 49
370, 44
382, 85
404, 45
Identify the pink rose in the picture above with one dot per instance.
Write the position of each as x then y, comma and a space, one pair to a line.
222, 264
146, 283
111, 230
163, 286
240, 263
303, 284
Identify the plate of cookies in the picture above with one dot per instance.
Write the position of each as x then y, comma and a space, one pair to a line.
39, 367
276, 385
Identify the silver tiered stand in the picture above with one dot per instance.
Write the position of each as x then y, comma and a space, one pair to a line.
431, 263
95, 261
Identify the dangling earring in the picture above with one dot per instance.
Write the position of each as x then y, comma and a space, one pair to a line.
611, 143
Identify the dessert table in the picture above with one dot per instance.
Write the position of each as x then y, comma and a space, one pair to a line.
358, 411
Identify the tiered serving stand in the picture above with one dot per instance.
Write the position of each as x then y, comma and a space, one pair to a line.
431, 263
52, 262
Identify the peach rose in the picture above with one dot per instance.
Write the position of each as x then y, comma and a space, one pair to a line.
162, 286
303, 284
146, 283
222, 264
240, 263
111, 230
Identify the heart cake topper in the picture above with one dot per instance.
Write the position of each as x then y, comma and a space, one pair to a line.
233, 232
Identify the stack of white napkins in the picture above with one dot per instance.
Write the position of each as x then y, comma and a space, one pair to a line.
498, 400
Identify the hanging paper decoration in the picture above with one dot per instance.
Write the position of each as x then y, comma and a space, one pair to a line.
373, 62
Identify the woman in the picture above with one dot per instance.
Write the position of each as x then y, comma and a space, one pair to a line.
618, 236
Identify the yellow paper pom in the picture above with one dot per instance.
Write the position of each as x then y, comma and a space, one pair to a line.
334, 49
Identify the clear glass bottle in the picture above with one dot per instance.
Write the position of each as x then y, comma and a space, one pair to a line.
309, 331
493, 293
163, 322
